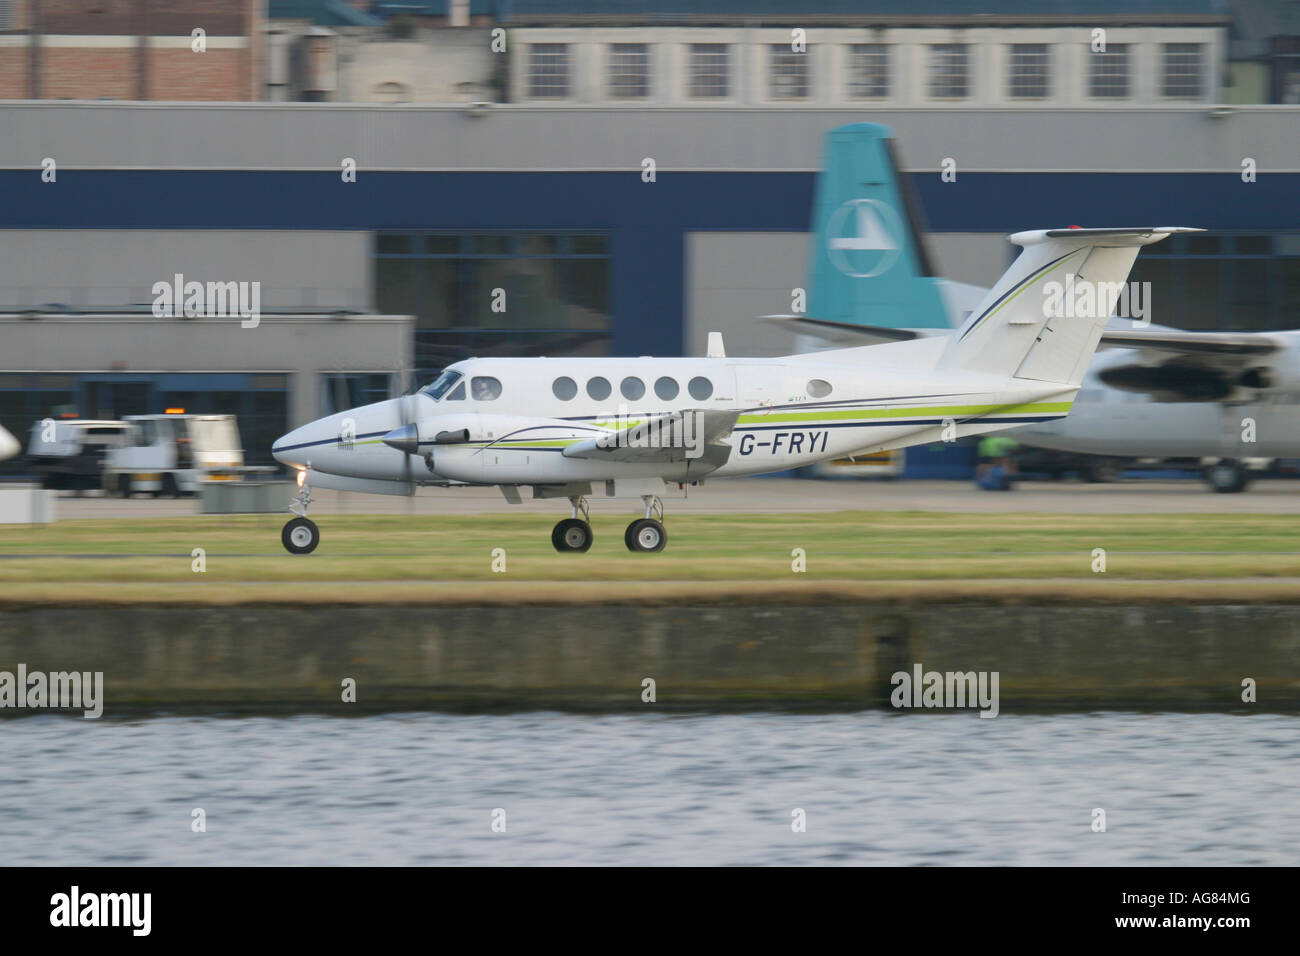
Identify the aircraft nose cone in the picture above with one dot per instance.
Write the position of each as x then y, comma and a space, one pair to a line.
289, 449
404, 438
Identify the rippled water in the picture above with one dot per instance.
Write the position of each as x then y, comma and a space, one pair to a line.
653, 789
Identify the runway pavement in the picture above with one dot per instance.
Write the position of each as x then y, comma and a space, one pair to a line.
776, 495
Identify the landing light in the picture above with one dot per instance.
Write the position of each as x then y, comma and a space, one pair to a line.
174, 411
302, 476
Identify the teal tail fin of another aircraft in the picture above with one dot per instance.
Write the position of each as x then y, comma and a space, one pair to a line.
868, 262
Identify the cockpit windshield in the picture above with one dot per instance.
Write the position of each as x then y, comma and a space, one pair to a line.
439, 386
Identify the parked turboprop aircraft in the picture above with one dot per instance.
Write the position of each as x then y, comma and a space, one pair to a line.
555, 425
1153, 391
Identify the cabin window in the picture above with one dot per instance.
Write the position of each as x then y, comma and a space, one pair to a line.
819, 388
598, 388
485, 388
632, 388
457, 394
564, 388
700, 388
667, 388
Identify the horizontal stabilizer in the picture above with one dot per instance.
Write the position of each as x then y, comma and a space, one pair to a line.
859, 334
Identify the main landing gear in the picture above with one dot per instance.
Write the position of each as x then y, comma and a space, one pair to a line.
648, 533
644, 534
300, 535
574, 533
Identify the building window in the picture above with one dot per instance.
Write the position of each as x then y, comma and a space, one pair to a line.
1028, 71
1286, 80
1108, 72
788, 74
868, 71
710, 66
1247, 282
500, 293
949, 71
1183, 71
548, 71
339, 391
629, 71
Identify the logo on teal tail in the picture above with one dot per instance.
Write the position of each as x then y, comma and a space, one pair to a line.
864, 238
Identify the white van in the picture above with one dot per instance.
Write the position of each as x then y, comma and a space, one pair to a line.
170, 454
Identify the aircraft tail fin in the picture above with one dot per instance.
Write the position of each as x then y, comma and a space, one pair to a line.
868, 264
1043, 319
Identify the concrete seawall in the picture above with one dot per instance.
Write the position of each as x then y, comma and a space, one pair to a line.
278, 658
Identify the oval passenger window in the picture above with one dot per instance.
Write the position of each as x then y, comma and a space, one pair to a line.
667, 388
819, 388
564, 388
632, 388
598, 388
700, 388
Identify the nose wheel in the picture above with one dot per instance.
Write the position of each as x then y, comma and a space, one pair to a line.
300, 536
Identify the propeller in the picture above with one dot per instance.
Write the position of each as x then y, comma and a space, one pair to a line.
406, 436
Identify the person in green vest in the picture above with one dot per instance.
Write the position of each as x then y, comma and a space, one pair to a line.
996, 451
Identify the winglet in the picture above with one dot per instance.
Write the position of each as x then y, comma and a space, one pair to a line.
715, 349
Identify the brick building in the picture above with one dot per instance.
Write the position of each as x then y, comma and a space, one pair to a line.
131, 49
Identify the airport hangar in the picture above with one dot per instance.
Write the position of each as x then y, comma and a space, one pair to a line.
365, 284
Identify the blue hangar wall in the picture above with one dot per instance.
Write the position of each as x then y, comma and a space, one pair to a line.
646, 222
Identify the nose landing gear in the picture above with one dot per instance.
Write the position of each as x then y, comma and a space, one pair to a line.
300, 535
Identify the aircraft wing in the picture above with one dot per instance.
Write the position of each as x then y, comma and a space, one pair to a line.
689, 435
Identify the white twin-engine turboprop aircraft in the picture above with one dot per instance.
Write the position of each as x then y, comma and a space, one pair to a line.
565, 425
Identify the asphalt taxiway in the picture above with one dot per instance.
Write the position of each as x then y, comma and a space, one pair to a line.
775, 496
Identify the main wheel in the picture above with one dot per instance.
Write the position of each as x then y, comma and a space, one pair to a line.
645, 534
571, 534
1227, 477
300, 536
